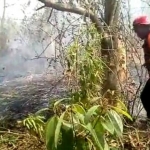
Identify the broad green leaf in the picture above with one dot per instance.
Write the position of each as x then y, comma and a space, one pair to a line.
122, 112
81, 144
90, 113
78, 108
50, 132
99, 141
67, 138
108, 125
116, 121
98, 125
58, 128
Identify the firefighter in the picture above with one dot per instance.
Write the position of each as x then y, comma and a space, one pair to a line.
141, 26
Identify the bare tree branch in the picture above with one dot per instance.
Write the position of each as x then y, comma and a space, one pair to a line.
76, 10
50, 15
40, 8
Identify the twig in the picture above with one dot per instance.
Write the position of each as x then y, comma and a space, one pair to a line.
9, 132
40, 8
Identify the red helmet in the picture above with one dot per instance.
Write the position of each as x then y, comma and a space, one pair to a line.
141, 20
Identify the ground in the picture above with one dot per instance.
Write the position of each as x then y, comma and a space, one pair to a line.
23, 96
19, 98
17, 140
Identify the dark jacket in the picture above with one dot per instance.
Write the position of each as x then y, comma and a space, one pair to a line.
146, 48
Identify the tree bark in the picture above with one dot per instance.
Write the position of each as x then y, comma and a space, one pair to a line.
113, 51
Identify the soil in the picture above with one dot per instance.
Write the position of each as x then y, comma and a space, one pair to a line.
18, 99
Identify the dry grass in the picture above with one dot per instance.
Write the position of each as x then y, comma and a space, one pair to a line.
134, 138
17, 140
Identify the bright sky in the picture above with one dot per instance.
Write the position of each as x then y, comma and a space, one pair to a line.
16, 9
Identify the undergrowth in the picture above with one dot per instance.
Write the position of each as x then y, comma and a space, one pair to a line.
86, 120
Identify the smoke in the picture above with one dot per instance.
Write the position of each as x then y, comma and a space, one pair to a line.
19, 59
32, 36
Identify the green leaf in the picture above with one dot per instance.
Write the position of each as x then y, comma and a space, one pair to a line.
67, 125
121, 105
97, 124
28, 126
108, 125
122, 112
79, 113
41, 110
95, 98
99, 140
59, 101
78, 108
102, 138
80, 117
58, 128
34, 125
116, 121
50, 132
67, 138
106, 147
113, 148
81, 144
89, 113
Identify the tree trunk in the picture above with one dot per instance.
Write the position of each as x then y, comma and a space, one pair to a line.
113, 51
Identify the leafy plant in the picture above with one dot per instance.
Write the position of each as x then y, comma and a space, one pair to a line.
86, 66
81, 128
89, 121
35, 124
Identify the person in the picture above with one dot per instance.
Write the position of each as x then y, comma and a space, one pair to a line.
141, 26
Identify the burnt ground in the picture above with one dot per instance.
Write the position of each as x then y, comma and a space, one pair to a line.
27, 95
21, 97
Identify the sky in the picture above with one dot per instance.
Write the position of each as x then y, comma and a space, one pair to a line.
15, 10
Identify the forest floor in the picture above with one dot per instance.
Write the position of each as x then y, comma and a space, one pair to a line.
25, 96
18, 99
